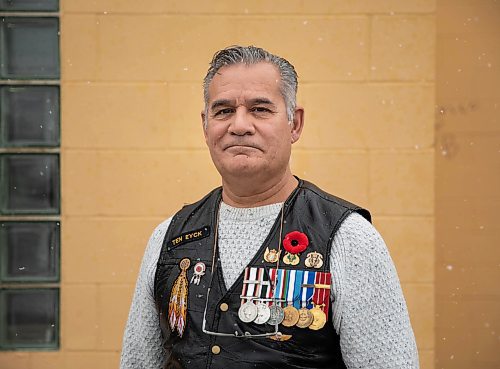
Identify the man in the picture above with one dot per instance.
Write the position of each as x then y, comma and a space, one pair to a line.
268, 271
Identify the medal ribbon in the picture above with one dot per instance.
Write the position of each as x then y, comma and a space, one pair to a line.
249, 287
297, 288
307, 292
279, 290
245, 285
262, 290
271, 291
318, 292
290, 286
253, 288
328, 281
322, 295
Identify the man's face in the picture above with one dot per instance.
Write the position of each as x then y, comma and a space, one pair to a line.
247, 129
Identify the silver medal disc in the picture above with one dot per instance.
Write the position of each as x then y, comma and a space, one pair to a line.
247, 312
276, 315
263, 313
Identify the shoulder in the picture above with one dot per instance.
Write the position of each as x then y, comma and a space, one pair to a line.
152, 253
363, 246
331, 205
355, 228
156, 238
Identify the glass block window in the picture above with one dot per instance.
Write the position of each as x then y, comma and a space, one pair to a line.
29, 251
29, 175
29, 318
29, 116
29, 5
29, 48
29, 183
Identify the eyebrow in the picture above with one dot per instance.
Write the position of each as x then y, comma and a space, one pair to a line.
221, 102
227, 102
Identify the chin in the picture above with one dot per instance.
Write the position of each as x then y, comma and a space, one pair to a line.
238, 168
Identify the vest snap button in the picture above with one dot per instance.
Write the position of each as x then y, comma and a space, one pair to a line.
216, 350
223, 307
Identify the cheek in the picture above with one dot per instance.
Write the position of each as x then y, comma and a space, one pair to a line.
213, 137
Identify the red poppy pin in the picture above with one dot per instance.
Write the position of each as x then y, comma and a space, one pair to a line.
294, 243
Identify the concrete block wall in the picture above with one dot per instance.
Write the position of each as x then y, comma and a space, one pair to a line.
133, 150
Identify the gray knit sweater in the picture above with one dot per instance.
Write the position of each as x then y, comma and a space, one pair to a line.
369, 310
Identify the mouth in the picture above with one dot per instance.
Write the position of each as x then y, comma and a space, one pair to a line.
241, 147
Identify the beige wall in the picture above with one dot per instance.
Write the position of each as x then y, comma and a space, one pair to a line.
467, 185
133, 151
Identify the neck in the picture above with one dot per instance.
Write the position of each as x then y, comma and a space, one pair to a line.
244, 193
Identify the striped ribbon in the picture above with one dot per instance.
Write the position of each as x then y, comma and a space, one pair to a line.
322, 295
289, 287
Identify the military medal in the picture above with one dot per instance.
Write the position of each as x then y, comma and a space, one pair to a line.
252, 288
305, 318
263, 313
319, 318
294, 243
262, 291
177, 306
314, 260
199, 271
271, 256
247, 312
322, 286
276, 315
291, 316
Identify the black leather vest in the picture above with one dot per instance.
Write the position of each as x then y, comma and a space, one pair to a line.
191, 235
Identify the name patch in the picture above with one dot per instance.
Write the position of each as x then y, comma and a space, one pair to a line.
189, 237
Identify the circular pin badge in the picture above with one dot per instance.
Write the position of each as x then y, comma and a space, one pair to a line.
305, 318
319, 318
263, 313
198, 272
276, 315
185, 263
291, 316
247, 312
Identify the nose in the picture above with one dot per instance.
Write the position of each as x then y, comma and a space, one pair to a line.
242, 123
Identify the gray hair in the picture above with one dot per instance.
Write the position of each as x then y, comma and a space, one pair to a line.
252, 55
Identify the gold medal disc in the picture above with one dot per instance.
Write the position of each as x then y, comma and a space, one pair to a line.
291, 316
319, 319
305, 318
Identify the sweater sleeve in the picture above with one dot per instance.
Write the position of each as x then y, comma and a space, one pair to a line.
369, 309
142, 343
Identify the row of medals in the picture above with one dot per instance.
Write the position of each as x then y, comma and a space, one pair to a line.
289, 316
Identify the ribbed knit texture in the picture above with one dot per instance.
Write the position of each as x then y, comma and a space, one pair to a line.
369, 310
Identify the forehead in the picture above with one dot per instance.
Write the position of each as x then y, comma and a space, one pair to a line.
240, 80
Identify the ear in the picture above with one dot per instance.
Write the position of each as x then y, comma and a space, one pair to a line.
203, 125
297, 124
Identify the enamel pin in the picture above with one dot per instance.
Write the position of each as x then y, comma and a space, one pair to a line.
271, 256
199, 271
294, 243
314, 260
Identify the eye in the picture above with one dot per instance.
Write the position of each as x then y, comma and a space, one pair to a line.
260, 109
223, 112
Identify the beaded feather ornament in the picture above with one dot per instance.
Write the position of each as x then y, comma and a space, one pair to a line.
177, 306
